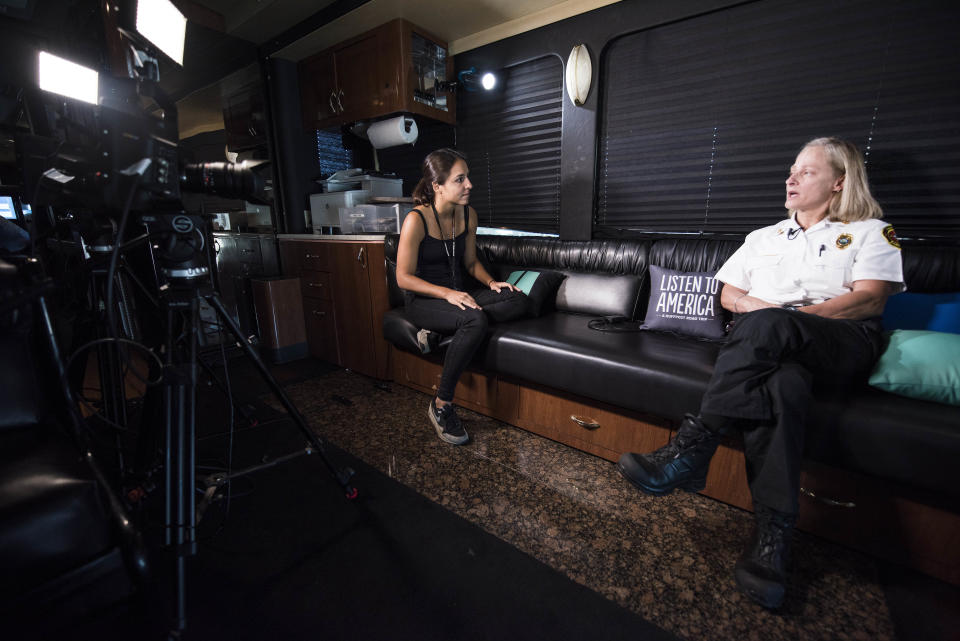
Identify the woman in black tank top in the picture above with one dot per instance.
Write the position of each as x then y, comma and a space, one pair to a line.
447, 290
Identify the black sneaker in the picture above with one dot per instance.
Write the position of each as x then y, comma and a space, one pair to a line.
447, 423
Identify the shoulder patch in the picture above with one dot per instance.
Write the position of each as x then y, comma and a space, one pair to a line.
891, 236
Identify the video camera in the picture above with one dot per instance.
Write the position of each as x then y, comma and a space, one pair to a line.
110, 144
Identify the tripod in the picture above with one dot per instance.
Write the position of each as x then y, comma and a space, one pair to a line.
183, 263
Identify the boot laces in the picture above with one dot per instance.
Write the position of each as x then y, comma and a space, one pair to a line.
771, 539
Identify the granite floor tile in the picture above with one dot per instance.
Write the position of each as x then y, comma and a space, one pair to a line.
669, 559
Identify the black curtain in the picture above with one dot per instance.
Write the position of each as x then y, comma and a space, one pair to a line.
511, 137
700, 119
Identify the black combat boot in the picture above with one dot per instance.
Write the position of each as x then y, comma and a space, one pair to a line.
762, 570
683, 462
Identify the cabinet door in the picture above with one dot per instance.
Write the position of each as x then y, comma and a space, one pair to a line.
359, 80
245, 118
351, 296
318, 91
320, 320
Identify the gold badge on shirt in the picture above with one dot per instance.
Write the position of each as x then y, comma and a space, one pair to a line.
844, 241
891, 236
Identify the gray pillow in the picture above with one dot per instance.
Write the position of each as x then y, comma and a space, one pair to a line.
685, 303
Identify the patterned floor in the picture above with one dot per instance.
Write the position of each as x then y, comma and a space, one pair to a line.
668, 559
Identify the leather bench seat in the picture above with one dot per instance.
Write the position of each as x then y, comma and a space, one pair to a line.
902, 440
649, 372
51, 510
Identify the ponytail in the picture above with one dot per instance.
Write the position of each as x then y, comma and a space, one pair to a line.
436, 169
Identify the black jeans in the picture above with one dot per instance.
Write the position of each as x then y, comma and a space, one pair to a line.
764, 379
468, 326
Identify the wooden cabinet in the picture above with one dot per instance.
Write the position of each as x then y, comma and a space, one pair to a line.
344, 298
245, 118
375, 74
244, 109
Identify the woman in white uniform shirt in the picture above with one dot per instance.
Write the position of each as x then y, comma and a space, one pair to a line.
806, 294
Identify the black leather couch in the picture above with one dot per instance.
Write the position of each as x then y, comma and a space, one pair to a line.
67, 547
905, 441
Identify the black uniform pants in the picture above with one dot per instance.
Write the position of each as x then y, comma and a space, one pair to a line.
765, 377
468, 326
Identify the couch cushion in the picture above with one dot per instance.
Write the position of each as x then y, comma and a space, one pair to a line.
662, 375
540, 286
685, 302
600, 294
920, 364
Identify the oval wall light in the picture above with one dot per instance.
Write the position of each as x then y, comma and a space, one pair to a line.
579, 74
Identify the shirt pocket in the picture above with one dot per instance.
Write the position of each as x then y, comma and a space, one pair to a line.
832, 272
764, 271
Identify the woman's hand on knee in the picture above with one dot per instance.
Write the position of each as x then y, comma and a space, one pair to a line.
462, 300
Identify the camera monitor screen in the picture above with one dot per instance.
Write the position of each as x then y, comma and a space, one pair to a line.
7, 209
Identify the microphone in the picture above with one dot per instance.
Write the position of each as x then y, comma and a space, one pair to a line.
793, 233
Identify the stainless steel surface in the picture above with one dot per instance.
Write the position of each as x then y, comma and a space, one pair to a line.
240, 258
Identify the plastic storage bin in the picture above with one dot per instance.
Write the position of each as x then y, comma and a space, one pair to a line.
367, 219
325, 208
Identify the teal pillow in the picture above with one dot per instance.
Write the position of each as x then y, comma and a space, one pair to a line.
540, 286
920, 364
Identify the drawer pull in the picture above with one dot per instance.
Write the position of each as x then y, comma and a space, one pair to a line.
314, 284
319, 313
584, 422
826, 501
309, 256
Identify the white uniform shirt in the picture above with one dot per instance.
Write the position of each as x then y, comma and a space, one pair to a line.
785, 265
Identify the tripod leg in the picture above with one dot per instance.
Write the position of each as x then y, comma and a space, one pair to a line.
180, 378
342, 477
134, 550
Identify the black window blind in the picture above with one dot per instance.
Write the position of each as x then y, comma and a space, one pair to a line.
700, 119
511, 137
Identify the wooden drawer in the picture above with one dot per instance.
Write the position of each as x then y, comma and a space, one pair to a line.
587, 425
321, 326
315, 257
315, 284
482, 393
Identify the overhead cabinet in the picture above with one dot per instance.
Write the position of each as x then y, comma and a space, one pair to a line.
393, 68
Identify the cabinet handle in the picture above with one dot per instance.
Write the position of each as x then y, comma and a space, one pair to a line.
319, 313
827, 501
340, 100
333, 107
362, 257
246, 251
584, 422
309, 256
314, 284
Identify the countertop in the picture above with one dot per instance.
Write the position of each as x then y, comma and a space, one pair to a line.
341, 237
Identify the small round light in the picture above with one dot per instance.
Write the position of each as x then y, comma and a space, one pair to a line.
489, 81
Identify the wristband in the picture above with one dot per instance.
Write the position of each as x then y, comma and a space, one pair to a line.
491, 281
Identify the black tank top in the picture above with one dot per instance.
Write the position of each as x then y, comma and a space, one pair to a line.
433, 265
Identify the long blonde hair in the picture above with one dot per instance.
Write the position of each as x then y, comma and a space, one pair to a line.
854, 202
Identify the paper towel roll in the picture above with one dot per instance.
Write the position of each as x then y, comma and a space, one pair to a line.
401, 130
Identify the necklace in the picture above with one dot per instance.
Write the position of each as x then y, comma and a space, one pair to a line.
451, 257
